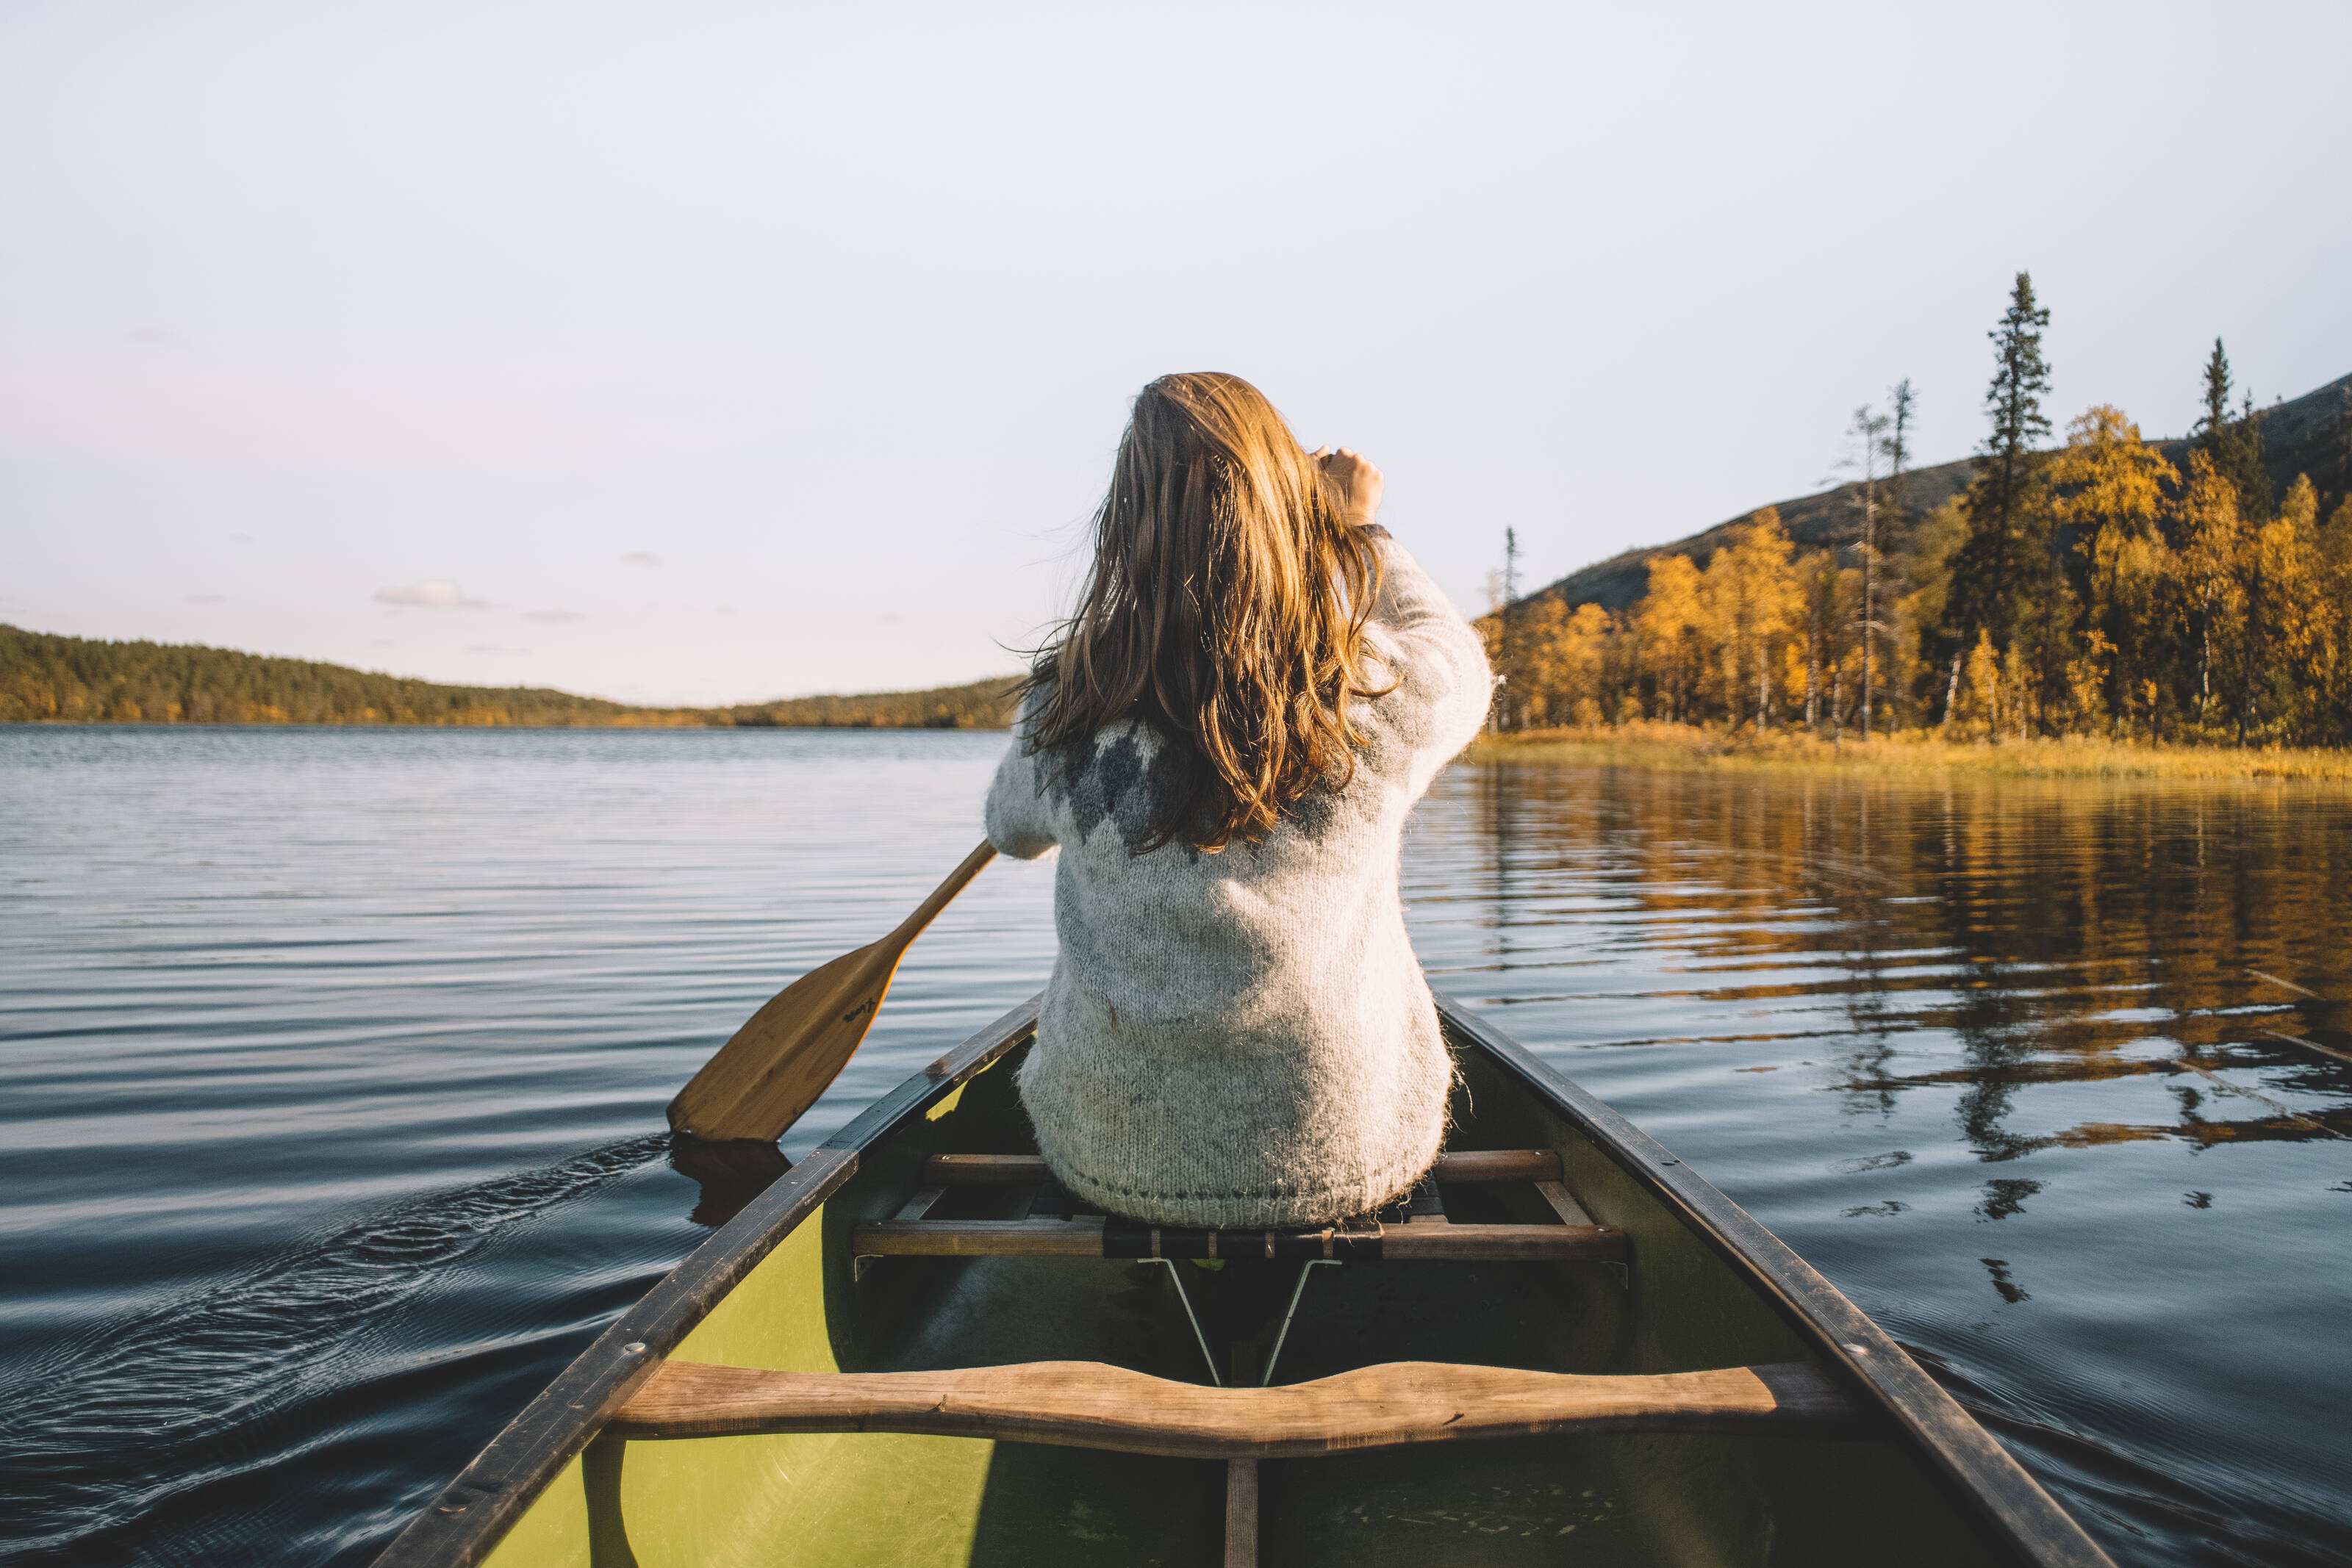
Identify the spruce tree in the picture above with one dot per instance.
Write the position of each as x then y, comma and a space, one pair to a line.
2216, 422
2235, 445
2241, 458
2001, 565
1898, 445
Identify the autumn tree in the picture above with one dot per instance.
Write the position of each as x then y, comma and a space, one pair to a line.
1817, 583
2217, 564
1749, 603
2110, 490
1668, 624
1980, 690
1580, 660
2331, 675
2295, 593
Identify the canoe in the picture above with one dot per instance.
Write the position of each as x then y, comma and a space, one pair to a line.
913, 1348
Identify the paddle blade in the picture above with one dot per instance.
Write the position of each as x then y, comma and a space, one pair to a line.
789, 1051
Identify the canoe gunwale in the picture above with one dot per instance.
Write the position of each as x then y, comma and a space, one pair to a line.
1971, 1465
460, 1527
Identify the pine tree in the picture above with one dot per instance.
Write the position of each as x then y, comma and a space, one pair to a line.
2002, 567
2242, 461
1898, 445
2209, 429
2235, 445
2013, 401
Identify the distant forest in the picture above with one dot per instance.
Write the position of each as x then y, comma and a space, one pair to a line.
2195, 590
982, 704
74, 680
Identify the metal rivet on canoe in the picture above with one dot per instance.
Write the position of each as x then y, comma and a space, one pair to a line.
453, 1507
1670, 1162
635, 1347
1859, 1349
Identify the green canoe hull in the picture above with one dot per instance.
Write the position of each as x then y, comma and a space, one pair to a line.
778, 1287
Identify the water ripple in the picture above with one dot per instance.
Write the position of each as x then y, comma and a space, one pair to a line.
334, 1066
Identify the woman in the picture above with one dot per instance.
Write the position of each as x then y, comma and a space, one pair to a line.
1226, 741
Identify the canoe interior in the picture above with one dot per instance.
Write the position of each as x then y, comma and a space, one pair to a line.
905, 1500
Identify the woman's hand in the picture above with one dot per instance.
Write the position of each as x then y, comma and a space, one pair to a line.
1355, 483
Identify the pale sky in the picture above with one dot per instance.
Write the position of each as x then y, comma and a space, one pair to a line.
701, 352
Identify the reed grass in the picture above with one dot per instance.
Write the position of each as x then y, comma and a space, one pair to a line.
1687, 747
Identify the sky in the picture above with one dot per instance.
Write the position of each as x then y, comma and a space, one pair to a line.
711, 352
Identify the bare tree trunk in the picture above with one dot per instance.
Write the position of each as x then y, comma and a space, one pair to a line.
2017, 666
2205, 672
1869, 591
1952, 692
1814, 672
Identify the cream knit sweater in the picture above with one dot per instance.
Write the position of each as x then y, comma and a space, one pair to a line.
1244, 1039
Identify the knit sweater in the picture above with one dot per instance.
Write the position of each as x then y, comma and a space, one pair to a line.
1244, 1039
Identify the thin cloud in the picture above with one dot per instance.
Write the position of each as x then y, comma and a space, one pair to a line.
499, 648
433, 594
641, 558
154, 337
554, 615
208, 599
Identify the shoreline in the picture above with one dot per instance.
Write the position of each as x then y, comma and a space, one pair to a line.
1687, 748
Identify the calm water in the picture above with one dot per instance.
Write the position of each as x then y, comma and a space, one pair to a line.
331, 1066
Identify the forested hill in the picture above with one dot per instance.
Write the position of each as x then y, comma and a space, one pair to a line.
49, 679
2304, 436
982, 704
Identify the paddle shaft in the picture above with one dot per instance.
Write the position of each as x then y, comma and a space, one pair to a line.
941, 896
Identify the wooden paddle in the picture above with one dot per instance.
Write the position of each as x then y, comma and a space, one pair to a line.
793, 1049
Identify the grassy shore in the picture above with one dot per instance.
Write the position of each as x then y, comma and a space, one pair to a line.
1684, 747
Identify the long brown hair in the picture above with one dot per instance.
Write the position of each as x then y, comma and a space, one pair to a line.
1225, 609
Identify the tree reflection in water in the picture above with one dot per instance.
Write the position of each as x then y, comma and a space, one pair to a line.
2084, 986
2065, 933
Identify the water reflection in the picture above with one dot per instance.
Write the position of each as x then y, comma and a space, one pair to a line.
2103, 1023
2063, 933
730, 1173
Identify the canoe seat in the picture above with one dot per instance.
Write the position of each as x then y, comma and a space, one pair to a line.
1417, 1229
1089, 1404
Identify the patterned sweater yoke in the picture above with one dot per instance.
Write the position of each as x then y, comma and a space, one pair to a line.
1244, 1039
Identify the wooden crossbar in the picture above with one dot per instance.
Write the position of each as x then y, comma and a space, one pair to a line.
1029, 1170
1089, 1404
1083, 1237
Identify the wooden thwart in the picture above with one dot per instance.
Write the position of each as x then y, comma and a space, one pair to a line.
1089, 1404
1029, 1170
1083, 1237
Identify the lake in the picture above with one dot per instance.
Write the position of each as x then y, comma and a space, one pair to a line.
332, 1067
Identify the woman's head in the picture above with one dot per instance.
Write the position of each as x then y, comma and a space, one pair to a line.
1225, 608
